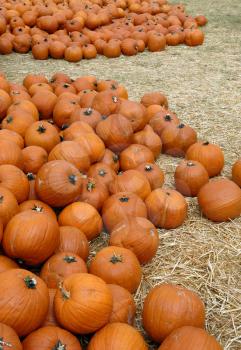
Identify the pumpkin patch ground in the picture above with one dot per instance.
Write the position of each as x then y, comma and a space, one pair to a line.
203, 89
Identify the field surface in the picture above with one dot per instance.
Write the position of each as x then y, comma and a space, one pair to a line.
203, 86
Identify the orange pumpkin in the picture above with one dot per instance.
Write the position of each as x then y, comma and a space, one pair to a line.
154, 98
135, 155
148, 138
37, 206
92, 144
124, 307
236, 172
45, 109
87, 115
64, 108
18, 121
111, 159
75, 130
9, 338
5, 102
106, 102
9, 135
103, 172
10, 153
153, 173
33, 158
134, 112
94, 192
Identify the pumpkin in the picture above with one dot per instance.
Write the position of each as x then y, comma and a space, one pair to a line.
168, 307
33, 158
10, 153
190, 176
134, 112
73, 240
8, 205
148, 138
50, 319
137, 234
86, 98
154, 98
190, 338
103, 172
209, 155
31, 79
15, 181
89, 51
9, 338
5, 102
85, 82
37, 206
220, 200
166, 208
194, 37
25, 105
73, 153
129, 47
131, 181
153, 173
135, 155
58, 183
124, 308
9, 135
83, 216
18, 121
57, 49
77, 129
7, 263
162, 119
24, 300
63, 110
73, 53
59, 266
22, 43
40, 51
31, 236
236, 172
83, 315
117, 265
39, 87
94, 192
45, 109
111, 49
51, 338
120, 206
6, 46
113, 334
201, 20
93, 145
63, 88
156, 42
177, 139
18, 96
106, 102
87, 115
42, 134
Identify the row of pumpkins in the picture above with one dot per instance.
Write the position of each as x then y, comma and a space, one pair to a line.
77, 156
82, 29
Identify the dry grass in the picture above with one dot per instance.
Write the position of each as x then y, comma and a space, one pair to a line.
203, 87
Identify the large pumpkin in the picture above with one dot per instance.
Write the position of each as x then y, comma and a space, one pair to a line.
9, 338
59, 266
31, 236
83, 303
117, 265
51, 338
24, 300
58, 183
220, 200
83, 216
190, 338
166, 208
137, 234
168, 307
117, 336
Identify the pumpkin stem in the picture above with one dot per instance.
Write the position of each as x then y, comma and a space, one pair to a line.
65, 85
9, 119
115, 158
90, 186
168, 118
72, 179
64, 126
69, 259
102, 172
124, 199
114, 99
168, 193
59, 346
37, 209
41, 129
30, 282
1, 199
148, 168
4, 343
181, 126
30, 176
190, 164
205, 143
65, 293
88, 111
113, 87
115, 259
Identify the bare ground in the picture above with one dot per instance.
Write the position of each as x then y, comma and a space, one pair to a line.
203, 86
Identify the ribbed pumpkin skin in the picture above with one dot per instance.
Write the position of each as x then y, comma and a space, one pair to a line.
7, 263
10, 153
220, 200
10, 337
190, 338
88, 306
124, 307
117, 336
137, 234
236, 172
8, 205
117, 265
168, 307
22, 308
31, 236
48, 338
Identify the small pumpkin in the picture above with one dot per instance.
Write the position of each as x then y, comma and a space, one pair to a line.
62, 88
135, 155
9, 338
190, 338
63, 109
124, 307
45, 109
156, 42
31, 79
83, 216
162, 119
29, 314
148, 138
190, 176
106, 102
18, 121
209, 155
87, 115
57, 49
168, 307
166, 208
220, 200
75, 130
129, 47
40, 51
103, 172
111, 49
236, 172
134, 112
59, 266
73, 240
73, 53
7, 264
194, 37
83, 315
153, 173
117, 265
93, 145
154, 98
94, 192
33, 158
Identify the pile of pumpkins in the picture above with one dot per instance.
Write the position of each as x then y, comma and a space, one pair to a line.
74, 29
77, 156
